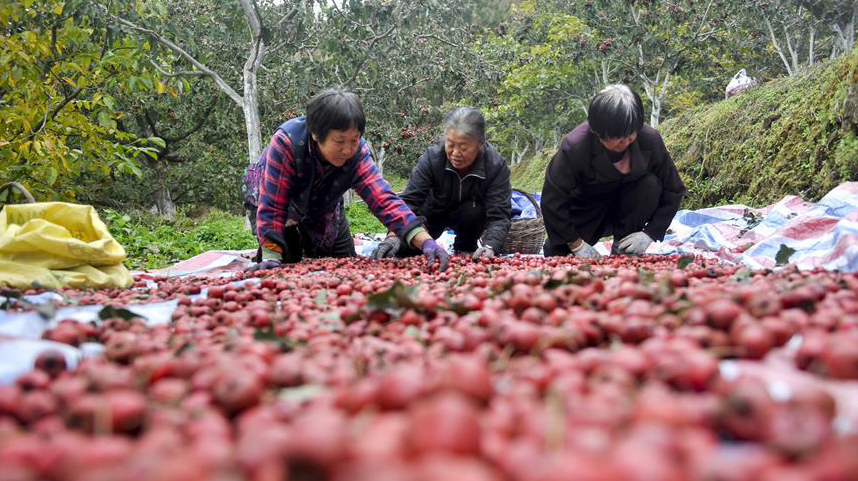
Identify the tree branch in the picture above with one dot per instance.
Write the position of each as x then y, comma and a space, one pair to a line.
151, 123
288, 16
368, 49
792, 51
435, 37
182, 53
810, 53
193, 129
257, 33
254, 18
349, 20
778, 46
184, 73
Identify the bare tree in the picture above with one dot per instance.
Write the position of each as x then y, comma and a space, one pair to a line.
797, 29
262, 43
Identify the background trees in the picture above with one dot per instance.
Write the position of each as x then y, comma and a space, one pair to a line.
61, 75
153, 103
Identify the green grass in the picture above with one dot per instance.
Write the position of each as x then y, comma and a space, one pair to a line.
793, 135
397, 183
529, 174
153, 242
361, 220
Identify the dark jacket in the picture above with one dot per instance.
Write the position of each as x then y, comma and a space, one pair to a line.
435, 188
581, 174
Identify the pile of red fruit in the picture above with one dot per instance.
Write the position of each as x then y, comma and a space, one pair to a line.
647, 368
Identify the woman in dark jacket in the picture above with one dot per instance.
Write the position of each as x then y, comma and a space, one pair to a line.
612, 176
461, 182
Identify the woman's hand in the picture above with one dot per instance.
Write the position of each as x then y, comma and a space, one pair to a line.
635, 243
584, 250
484, 252
387, 248
264, 265
432, 251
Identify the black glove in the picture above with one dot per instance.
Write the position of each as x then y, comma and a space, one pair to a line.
387, 248
264, 265
432, 251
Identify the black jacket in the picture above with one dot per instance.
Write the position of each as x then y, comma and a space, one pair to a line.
435, 188
581, 174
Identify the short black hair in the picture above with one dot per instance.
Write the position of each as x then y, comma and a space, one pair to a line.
615, 112
334, 109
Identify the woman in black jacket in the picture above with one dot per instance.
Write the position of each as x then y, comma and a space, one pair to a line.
612, 176
462, 183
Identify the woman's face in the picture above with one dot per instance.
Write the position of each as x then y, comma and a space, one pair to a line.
462, 150
340, 145
620, 144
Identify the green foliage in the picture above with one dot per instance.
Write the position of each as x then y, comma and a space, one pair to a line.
119, 134
790, 136
544, 87
846, 156
662, 48
153, 242
59, 75
361, 220
529, 174
409, 61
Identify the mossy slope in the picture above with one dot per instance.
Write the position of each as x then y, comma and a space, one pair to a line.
793, 135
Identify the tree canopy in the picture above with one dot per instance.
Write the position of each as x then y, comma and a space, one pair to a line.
99, 97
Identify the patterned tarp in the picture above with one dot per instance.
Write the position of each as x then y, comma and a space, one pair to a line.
822, 234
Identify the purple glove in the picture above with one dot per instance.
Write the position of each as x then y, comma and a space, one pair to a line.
432, 251
264, 265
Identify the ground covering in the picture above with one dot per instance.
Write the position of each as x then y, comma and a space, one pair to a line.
520, 368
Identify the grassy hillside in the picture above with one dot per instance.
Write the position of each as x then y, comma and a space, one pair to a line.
793, 135
530, 173
790, 136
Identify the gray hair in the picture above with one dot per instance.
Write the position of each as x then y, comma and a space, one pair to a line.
615, 112
467, 121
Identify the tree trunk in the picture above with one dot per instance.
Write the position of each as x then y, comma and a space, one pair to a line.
810, 46
654, 98
379, 162
778, 48
250, 104
164, 202
845, 33
655, 115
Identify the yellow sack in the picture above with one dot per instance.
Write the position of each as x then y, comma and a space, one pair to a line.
57, 244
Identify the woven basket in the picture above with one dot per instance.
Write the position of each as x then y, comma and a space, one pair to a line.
526, 235
7, 193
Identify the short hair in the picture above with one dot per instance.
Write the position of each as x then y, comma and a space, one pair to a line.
615, 112
466, 121
334, 109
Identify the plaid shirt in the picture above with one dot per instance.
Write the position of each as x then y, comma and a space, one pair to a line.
312, 193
